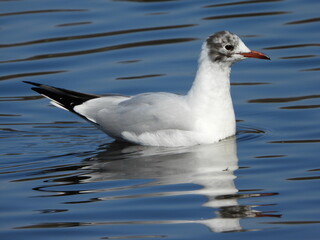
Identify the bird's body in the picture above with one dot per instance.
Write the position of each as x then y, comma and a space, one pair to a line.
204, 115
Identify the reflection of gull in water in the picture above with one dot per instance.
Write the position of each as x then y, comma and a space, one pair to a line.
210, 166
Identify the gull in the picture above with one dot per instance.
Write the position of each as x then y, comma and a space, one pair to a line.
204, 115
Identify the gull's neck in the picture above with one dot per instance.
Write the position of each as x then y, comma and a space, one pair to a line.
212, 80
209, 96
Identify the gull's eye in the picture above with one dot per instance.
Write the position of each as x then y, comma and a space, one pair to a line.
229, 47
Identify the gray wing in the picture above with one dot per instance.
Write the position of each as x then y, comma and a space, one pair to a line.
138, 114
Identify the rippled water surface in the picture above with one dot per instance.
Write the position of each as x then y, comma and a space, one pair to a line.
63, 179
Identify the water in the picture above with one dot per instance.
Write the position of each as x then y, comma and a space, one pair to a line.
62, 179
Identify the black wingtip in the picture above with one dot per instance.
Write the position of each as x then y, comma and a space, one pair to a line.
32, 83
38, 90
66, 98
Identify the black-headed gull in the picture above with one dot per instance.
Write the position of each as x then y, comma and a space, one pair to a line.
204, 115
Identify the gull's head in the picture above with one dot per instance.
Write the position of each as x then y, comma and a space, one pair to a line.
228, 48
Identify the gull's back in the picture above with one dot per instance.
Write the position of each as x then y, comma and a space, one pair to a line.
149, 112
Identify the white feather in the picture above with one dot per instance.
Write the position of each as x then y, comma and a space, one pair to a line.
56, 104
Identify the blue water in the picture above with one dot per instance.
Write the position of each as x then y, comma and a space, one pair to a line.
63, 179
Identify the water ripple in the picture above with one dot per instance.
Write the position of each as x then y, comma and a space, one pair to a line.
140, 77
283, 100
293, 46
73, 24
42, 11
298, 57
240, 3
96, 35
309, 20
301, 107
297, 141
103, 49
28, 74
245, 15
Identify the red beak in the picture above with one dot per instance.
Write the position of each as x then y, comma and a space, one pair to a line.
255, 54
